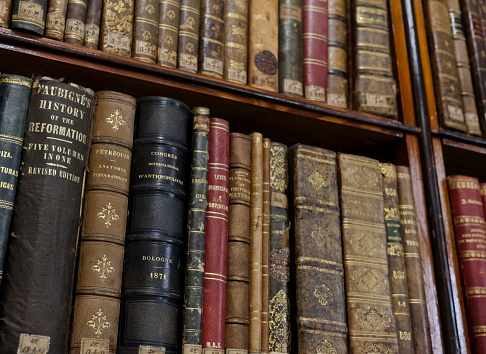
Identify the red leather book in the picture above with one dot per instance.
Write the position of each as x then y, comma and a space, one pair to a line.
315, 42
214, 301
470, 231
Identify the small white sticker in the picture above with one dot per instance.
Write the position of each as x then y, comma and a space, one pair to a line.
191, 349
168, 56
213, 65
94, 345
315, 93
293, 86
455, 113
336, 100
33, 344
30, 9
147, 349
376, 100
119, 40
238, 75
188, 61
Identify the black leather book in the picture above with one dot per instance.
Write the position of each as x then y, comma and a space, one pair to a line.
14, 105
29, 16
38, 279
153, 273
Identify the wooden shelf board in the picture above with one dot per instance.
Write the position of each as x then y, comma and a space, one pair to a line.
464, 159
460, 137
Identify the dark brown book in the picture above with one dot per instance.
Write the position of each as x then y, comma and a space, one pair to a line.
117, 27
56, 19
337, 73
29, 16
102, 246
146, 30
319, 275
92, 25
238, 287
236, 41
75, 17
189, 35
265, 243
170, 11
5, 7
370, 317
211, 44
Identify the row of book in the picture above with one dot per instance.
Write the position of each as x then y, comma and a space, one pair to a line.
272, 246
296, 47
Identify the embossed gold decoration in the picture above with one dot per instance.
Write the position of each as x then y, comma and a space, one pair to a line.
99, 322
150, 9
394, 249
191, 21
321, 235
324, 295
108, 214
279, 178
366, 243
318, 181
369, 280
373, 318
388, 171
361, 177
171, 14
372, 348
169, 40
116, 118
279, 323
190, 47
238, 31
326, 347
391, 214
236, 65
147, 35
103, 267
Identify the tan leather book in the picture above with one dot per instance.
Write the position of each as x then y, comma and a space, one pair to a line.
236, 41
370, 317
263, 44
189, 35
337, 73
146, 30
211, 44
117, 27
238, 286
5, 8
101, 250
265, 244
170, 12
55, 20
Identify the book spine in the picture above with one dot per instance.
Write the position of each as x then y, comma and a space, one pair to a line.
237, 296
117, 27
290, 54
75, 18
189, 35
5, 7
211, 46
100, 265
319, 274
464, 69
29, 16
337, 73
46, 219
215, 271
413, 264
92, 25
444, 67
170, 12
14, 104
279, 257
369, 310
146, 30
196, 233
470, 231
374, 86
265, 244
396, 262
315, 36
153, 270
56, 19
263, 45
236, 41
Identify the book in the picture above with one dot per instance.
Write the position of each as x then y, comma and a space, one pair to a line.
265, 243
56, 19
215, 270
14, 104
153, 270
196, 233
5, 7
238, 287
290, 48
75, 17
211, 46
102, 243
337, 73
236, 41
29, 16
92, 25
168, 32
189, 35
320, 313
46, 219
146, 30
117, 27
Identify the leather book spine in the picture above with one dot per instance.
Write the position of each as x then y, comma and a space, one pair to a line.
46, 220
370, 317
153, 268
337, 72
92, 25
397, 274
100, 264
374, 85
470, 231
413, 264
170, 12
196, 234
263, 45
464, 69
211, 46
29, 16
5, 7
256, 238
265, 244
215, 271
236, 41
290, 54
75, 18
189, 35
319, 273
146, 30
56, 19
14, 104
279, 256
444, 66
117, 27
238, 287
315, 36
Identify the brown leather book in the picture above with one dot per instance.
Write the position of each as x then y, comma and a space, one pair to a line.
263, 45
464, 69
413, 263
116, 27
236, 41
146, 30
319, 275
75, 18
265, 243
170, 11
337, 73
101, 250
444, 66
211, 46
256, 237
189, 35
370, 317
92, 25
55, 20
238, 287
5, 7
396, 263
